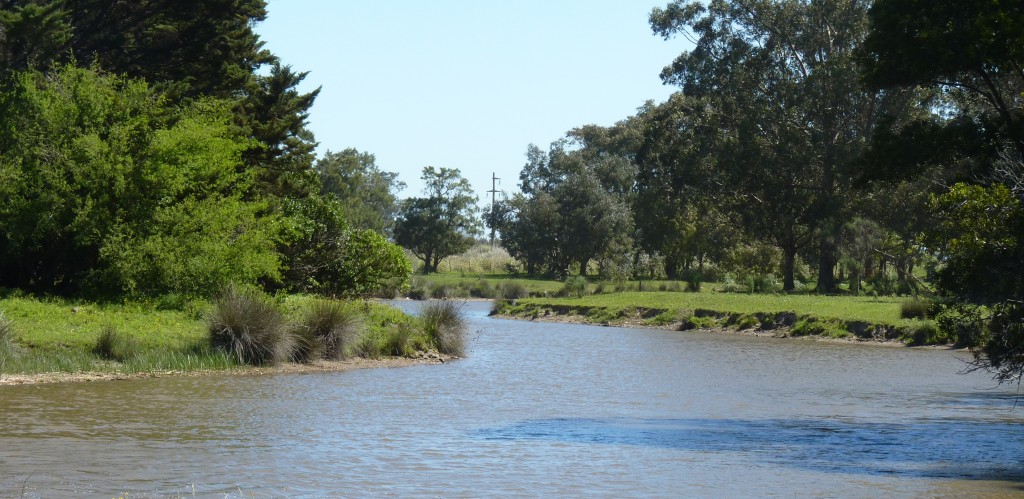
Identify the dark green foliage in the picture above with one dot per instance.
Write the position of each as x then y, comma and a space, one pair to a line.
110, 189
965, 324
249, 326
324, 255
926, 333
114, 345
441, 224
445, 326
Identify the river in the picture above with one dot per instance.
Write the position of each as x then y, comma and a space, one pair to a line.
537, 409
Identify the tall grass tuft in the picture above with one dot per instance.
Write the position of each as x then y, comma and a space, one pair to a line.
514, 291
915, 308
306, 347
114, 345
445, 326
249, 326
6, 328
334, 326
6, 332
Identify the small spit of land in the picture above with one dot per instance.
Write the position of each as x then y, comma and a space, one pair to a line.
56, 340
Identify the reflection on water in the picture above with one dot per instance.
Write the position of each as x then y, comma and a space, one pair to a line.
537, 409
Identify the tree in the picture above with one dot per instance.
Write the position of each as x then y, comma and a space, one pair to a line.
574, 207
367, 193
110, 188
972, 47
186, 49
782, 81
441, 224
971, 53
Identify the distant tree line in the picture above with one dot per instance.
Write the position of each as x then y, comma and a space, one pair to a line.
813, 141
154, 146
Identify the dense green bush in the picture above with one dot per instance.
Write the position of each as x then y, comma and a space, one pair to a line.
574, 286
248, 325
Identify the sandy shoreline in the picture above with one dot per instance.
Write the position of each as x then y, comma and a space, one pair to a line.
319, 366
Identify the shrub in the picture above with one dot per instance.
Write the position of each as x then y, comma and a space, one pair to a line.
445, 327
574, 286
482, 289
114, 345
334, 326
915, 308
925, 333
963, 324
514, 291
249, 326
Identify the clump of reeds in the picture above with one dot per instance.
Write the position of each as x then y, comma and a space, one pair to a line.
249, 326
334, 326
514, 291
445, 326
114, 345
6, 328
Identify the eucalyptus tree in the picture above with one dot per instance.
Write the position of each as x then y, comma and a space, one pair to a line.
441, 224
782, 80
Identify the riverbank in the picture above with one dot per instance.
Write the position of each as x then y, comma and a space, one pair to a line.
817, 317
319, 366
55, 340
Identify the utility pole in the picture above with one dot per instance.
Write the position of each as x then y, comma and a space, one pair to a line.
494, 194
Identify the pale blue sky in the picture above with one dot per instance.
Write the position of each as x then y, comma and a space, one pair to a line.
467, 84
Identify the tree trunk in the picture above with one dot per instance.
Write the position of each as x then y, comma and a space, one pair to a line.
788, 264
826, 266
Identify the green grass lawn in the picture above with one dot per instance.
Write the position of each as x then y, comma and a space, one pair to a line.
885, 310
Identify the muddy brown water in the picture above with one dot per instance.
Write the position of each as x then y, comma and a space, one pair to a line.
537, 409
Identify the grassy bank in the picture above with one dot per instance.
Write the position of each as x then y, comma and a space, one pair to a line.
797, 315
60, 336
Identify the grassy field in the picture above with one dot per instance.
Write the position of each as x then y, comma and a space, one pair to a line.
55, 335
